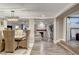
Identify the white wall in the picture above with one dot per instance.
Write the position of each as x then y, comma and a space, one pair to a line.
59, 30
4, 25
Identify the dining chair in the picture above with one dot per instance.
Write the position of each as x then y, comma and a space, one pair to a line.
18, 32
23, 43
1, 42
9, 37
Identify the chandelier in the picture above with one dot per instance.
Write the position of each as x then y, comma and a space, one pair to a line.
12, 17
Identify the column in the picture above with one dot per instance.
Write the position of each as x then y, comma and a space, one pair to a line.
31, 28
54, 30
65, 29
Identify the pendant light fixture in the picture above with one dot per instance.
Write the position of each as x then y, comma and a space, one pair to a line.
12, 17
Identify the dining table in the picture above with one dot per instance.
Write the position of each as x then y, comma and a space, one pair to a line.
18, 39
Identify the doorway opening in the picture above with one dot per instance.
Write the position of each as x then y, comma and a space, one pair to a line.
44, 29
72, 29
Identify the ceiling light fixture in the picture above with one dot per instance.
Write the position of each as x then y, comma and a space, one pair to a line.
12, 17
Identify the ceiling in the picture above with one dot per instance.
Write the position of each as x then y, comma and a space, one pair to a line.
75, 14
25, 10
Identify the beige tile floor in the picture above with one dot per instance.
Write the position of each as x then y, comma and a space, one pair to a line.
21, 51
18, 52
42, 47
73, 43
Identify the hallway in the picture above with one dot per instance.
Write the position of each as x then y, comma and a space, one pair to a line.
47, 48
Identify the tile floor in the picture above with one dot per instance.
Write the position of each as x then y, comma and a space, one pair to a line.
21, 51
42, 47
74, 43
18, 52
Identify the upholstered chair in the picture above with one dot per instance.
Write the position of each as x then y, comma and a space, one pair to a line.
9, 37
23, 42
18, 32
1, 42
